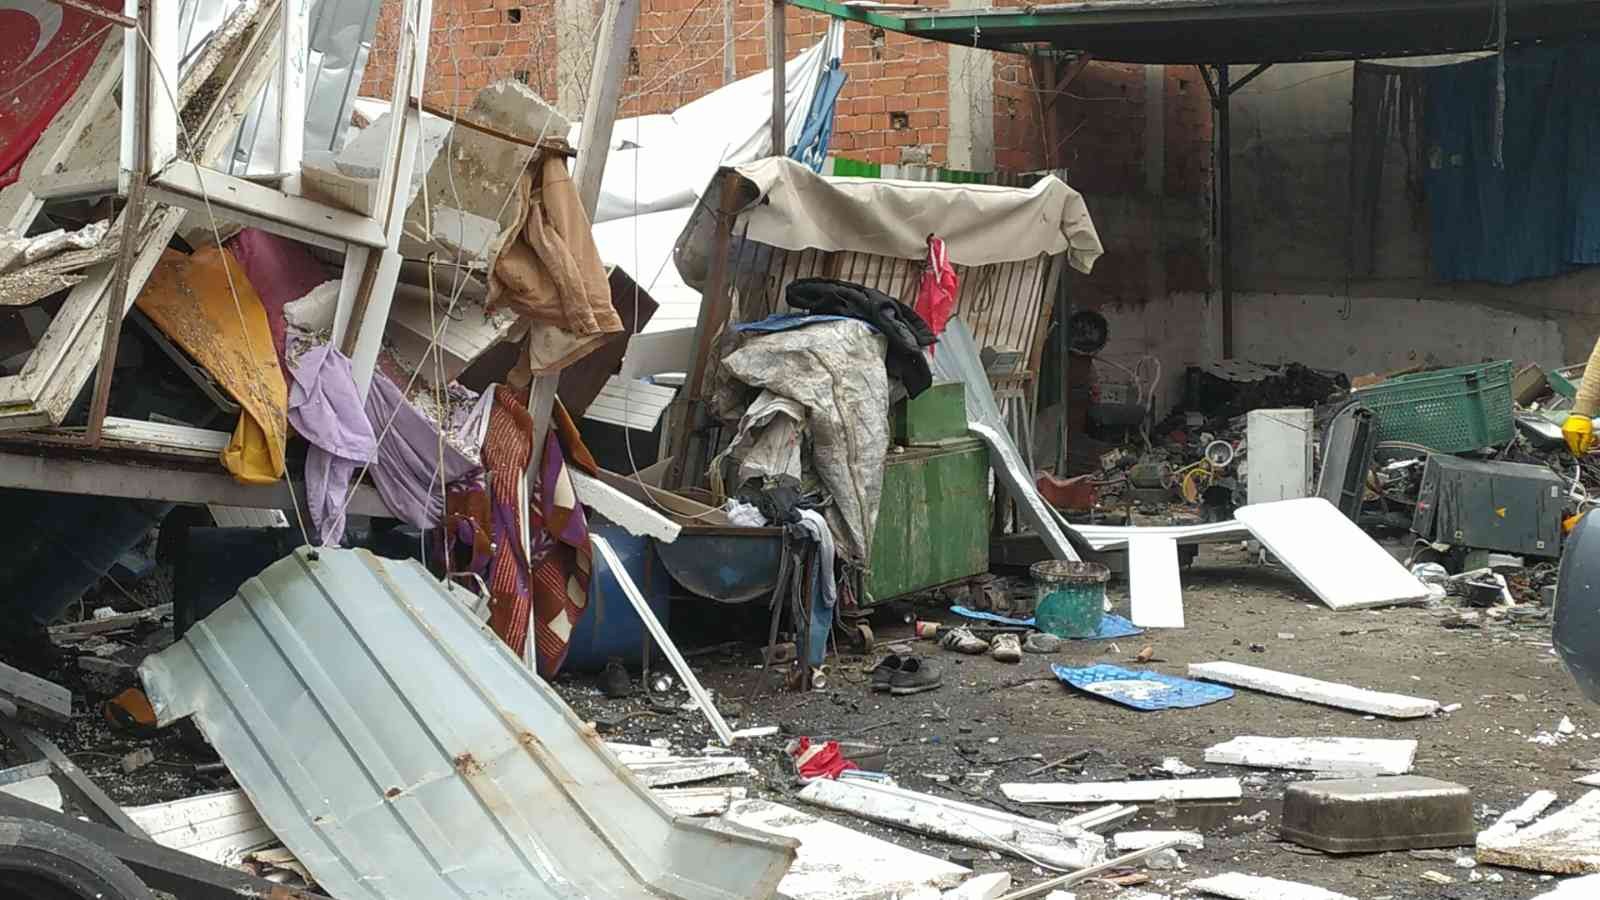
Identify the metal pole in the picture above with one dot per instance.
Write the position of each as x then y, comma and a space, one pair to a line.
776, 50
1224, 199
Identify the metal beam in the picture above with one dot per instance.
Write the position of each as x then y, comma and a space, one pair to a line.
1222, 198
776, 41
1249, 77
840, 11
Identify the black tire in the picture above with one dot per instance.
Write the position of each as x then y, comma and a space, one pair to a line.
39, 861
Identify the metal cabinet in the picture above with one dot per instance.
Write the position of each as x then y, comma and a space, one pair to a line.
933, 521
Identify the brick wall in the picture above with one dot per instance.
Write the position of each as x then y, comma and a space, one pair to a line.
894, 104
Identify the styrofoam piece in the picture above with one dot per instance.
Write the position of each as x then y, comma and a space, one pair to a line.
1102, 818
836, 863
981, 887
1154, 589
1280, 454
1125, 791
1238, 886
1344, 755
1124, 841
1566, 842
1115, 537
1313, 690
1585, 888
1062, 846
1344, 567
1592, 780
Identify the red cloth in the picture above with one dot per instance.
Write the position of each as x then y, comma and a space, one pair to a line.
936, 295
823, 760
45, 50
546, 593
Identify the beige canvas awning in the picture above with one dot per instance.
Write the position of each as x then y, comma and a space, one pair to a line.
784, 204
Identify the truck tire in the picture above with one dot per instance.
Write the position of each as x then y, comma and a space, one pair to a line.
39, 861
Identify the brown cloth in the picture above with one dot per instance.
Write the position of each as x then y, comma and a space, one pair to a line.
548, 268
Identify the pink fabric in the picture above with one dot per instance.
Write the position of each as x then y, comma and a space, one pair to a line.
279, 269
936, 295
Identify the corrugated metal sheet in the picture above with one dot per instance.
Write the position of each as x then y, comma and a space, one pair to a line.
401, 751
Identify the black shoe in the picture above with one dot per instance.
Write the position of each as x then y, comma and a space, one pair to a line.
885, 671
615, 681
915, 676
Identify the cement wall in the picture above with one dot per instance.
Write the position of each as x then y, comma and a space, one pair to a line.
1300, 299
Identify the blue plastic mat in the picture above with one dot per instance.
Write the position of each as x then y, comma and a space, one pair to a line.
1141, 690
1110, 627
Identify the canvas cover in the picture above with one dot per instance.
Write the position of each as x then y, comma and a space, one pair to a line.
785, 204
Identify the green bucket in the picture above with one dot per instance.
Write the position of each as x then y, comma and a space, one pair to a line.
1071, 597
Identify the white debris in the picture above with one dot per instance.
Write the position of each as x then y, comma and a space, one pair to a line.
1566, 726
981, 887
1175, 766
1129, 841
1238, 886
1353, 756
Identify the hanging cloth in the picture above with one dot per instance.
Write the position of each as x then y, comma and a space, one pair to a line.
936, 295
191, 299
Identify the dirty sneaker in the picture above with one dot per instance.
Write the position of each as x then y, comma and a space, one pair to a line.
915, 676
1040, 642
1006, 648
962, 640
885, 671
615, 681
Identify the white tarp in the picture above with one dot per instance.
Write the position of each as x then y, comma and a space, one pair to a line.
785, 204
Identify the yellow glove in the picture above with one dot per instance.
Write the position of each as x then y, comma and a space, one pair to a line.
1579, 432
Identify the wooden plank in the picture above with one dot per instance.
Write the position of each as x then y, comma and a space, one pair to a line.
1344, 567
32, 746
622, 509
712, 801
1125, 791
37, 694
1154, 589
111, 623
1313, 690
1344, 755
834, 862
161, 868
964, 823
1238, 886
686, 770
1566, 842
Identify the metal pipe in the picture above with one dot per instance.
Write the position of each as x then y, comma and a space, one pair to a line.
1222, 125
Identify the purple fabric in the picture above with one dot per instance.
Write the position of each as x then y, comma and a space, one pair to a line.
325, 409
406, 468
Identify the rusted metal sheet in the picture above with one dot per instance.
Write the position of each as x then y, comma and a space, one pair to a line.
399, 750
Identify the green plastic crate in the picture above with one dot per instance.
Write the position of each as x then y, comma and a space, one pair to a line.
1451, 410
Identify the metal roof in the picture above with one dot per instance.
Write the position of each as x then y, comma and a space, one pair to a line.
399, 750
1235, 31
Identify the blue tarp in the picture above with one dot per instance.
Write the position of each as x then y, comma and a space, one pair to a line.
1143, 690
1110, 627
1539, 215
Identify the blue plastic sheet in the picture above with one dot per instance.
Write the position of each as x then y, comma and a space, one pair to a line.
1142, 690
1538, 215
1110, 627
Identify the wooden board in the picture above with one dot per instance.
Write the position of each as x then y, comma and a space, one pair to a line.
1344, 567
1344, 755
838, 863
33, 693
1312, 690
1237, 886
1155, 592
1125, 791
1565, 843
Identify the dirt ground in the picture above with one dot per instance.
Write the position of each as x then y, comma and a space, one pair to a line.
991, 716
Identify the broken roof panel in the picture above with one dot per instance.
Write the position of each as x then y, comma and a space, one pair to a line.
1235, 31
399, 749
